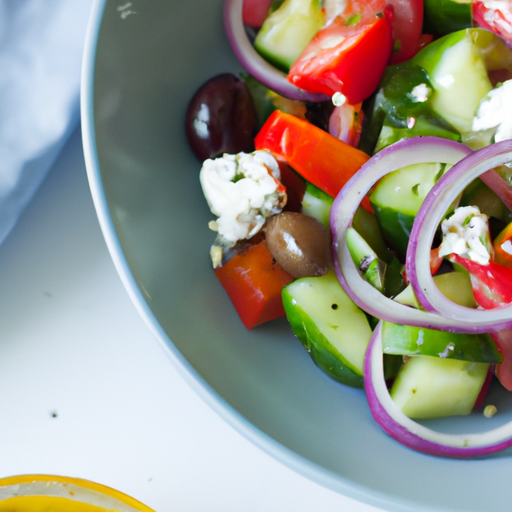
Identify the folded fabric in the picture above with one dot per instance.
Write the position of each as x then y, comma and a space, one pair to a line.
41, 44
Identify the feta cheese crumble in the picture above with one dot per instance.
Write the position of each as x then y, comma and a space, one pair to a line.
494, 112
421, 93
338, 99
242, 190
466, 233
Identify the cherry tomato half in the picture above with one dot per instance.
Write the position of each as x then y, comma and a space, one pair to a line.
407, 26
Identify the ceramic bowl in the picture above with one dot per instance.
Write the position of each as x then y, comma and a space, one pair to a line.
143, 62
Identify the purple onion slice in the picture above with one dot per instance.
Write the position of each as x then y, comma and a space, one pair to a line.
412, 434
403, 153
254, 63
432, 211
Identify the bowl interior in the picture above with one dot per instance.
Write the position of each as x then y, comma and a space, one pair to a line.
143, 62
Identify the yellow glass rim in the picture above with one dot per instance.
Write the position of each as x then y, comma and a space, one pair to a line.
79, 482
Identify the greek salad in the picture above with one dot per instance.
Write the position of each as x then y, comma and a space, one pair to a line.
360, 177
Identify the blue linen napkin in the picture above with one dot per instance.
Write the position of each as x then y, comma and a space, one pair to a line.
41, 44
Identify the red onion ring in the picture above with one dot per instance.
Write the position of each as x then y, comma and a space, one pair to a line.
427, 221
254, 63
400, 154
412, 434
499, 186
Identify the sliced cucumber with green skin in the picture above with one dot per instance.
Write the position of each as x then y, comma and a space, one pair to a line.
423, 126
438, 91
397, 198
446, 16
288, 30
385, 277
457, 71
454, 285
366, 224
432, 387
331, 327
408, 340
366, 260
316, 203
392, 366
481, 196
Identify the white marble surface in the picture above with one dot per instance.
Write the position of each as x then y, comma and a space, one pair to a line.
86, 391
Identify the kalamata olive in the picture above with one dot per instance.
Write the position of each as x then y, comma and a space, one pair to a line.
300, 244
221, 118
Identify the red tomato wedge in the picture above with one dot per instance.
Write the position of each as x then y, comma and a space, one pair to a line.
406, 17
254, 12
494, 16
407, 27
317, 156
253, 281
345, 58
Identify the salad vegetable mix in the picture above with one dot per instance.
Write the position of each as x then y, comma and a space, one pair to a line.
359, 172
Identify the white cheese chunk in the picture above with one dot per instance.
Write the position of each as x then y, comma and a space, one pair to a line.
495, 112
466, 233
242, 190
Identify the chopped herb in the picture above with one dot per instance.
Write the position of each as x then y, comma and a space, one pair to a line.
467, 220
440, 173
354, 19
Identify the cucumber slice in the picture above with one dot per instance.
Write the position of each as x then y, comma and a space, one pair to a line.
458, 73
432, 387
423, 126
287, 31
385, 277
365, 259
316, 203
331, 327
397, 198
454, 285
411, 341
445, 16
486, 200
266, 100
366, 224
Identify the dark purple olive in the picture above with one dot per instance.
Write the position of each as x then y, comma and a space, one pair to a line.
300, 244
221, 118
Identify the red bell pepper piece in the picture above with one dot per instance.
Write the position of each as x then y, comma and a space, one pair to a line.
254, 282
492, 287
492, 283
317, 156
435, 264
435, 260
346, 58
